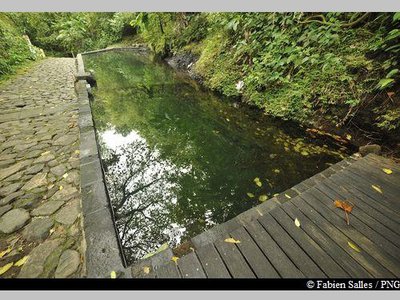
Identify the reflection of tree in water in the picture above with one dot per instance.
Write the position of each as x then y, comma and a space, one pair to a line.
142, 190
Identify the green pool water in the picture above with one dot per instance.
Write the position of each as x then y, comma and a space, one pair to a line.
179, 159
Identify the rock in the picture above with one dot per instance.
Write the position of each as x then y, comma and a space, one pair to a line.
53, 163
36, 181
34, 266
73, 177
10, 188
38, 229
4, 209
65, 194
10, 198
68, 214
11, 170
13, 220
68, 264
367, 149
65, 140
34, 169
26, 202
58, 170
44, 158
22, 147
47, 208
33, 154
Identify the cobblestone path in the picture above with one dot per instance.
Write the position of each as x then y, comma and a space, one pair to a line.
40, 206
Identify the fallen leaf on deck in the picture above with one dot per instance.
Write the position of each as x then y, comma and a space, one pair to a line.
113, 275
354, 246
146, 270
297, 222
263, 198
377, 188
21, 261
8, 250
232, 241
251, 195
287, 196
175, 259
5, 268
387, 171
346, 206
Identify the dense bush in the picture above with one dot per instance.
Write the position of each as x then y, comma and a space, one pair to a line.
14, 48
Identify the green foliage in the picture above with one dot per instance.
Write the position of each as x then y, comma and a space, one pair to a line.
14, 48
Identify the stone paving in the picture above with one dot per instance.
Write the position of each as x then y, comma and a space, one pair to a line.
41, 232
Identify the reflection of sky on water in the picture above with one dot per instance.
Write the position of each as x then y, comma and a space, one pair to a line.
136, 169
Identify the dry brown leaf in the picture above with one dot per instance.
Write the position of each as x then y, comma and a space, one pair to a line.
346, 206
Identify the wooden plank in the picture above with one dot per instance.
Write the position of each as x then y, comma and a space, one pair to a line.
385, 207
293, 251
190, 266
366, 189
374, 209
212, 262
233, 259
364, 213
318, 255
255, 258
325, 241
366, 179
270, 248
169, 270
366, 244
363, 258
374, 175
384, 162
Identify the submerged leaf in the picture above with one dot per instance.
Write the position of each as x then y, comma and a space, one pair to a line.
251, 195
387, 171
232, 240
5, 268
263, 198
377, 188
353, 246
21, 261
258, 182
297, 222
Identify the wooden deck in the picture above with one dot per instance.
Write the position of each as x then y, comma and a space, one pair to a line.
272, 246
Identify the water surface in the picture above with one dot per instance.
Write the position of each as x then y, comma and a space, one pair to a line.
179, 159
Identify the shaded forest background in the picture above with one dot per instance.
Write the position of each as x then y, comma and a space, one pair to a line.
337, 72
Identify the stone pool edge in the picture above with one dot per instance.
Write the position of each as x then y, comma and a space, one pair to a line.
103, 252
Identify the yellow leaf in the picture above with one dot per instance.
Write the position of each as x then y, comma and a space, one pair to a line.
263, 198
21, 261
354, 246
113, 275
232, 241
146, 270
287, 196
257, 181
76, 151
8, 250
65, 175
277, 171
251, 195
61, 187
304, 153
297, 222
277, 194
5, 268
175, 259
348, 136
377, 188
44, 153
387, 171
